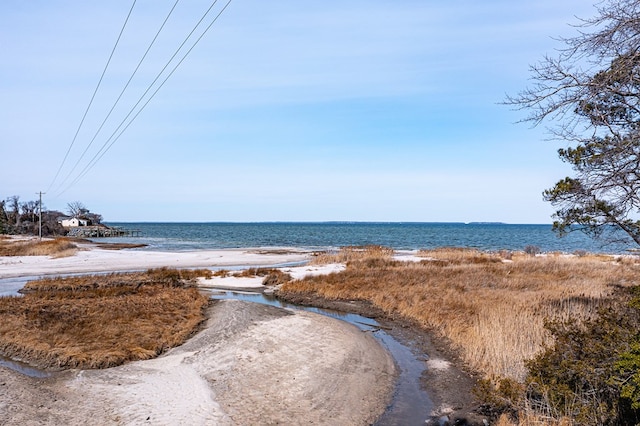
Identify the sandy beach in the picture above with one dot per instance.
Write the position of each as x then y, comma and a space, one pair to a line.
93, 259
250, 364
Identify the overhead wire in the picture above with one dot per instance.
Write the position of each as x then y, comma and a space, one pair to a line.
113, 138
84, 116
121, 93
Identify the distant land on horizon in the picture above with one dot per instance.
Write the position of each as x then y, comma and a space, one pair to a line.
328, 222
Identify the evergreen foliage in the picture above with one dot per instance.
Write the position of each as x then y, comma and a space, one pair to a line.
592, 373
590, 93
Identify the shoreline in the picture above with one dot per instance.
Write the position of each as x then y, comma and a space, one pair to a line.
90, 259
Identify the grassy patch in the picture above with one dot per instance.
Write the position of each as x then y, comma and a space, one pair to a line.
352, 253
59, 247
272, 276
100, 321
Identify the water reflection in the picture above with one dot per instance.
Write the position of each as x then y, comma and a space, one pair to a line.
10, 286
23, 368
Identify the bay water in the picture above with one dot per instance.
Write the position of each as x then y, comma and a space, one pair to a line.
175, 236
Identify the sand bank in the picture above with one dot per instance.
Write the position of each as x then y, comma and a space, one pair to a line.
239, 282
100, 260
252, 364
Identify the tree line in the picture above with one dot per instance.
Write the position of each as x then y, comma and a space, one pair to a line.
23, 217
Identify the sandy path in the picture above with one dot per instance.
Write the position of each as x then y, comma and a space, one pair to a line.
252, 364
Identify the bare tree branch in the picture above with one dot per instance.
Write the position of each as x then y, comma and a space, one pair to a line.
589, 97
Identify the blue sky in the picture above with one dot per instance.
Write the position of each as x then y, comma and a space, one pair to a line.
285, 111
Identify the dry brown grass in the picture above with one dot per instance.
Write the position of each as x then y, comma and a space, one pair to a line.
351, 253
158, 276
99, 321
457, 255
59, 247
530, 419
272, 276
491, 310
178, 276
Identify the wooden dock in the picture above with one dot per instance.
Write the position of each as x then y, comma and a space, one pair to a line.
102, 232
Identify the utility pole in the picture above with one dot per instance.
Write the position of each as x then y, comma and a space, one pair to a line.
40, 215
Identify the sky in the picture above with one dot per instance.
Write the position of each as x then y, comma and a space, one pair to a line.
285, 110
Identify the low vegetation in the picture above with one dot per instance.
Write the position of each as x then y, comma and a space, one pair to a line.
502, 312
351, 253
101, 320
272, 276
59, 247
591, 374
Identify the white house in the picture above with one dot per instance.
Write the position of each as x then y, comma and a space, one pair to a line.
71, 222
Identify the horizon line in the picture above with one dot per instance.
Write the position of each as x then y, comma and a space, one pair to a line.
337, 222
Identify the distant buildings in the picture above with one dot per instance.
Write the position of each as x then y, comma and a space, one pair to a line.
73, 222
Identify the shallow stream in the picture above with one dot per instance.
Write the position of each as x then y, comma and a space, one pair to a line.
410, 405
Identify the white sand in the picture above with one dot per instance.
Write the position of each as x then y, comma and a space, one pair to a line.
99, 260
408, 256
296, 272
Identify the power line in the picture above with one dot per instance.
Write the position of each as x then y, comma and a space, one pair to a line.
102, 152
122, 92
93, 96
113, 138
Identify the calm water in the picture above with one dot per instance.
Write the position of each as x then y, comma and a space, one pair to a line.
198, 236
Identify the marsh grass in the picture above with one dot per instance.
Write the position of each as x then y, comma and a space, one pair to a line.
99, 321
179, 276
352, 253
490, 309
272, 276
531, 419
458, 256
59, 247
157, 276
